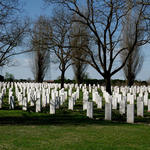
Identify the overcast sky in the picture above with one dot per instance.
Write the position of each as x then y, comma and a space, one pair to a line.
22, 69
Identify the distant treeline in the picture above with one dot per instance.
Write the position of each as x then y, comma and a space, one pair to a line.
102, 82
85, 81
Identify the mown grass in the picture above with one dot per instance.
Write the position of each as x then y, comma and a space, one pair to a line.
38, 131
71, 130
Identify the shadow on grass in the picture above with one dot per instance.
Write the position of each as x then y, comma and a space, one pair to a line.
65, 117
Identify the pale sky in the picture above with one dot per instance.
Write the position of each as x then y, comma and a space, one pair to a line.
22, 69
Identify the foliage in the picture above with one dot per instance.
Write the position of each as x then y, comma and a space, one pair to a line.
79, 43
40, 40
60, 23
103, 19
114, 82
12, 30
131, 25
65, 81
9, 77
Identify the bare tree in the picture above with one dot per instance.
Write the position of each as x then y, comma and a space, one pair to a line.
143, 2
132, 66
79, 41
104, 21
135, 60
146, 3
60, 26
40, 48
12, 30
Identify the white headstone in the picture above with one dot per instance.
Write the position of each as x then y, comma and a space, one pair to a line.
130, 113
38, 102
71, 104
52, 106
140, 108
108, 111
99, 102
24, 104
90, 109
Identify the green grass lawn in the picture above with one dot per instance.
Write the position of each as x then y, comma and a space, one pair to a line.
69, 130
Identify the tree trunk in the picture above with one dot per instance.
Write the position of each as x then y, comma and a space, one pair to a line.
108, 84
130, 82
78, 77
62, 78
39, 77
130, 78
